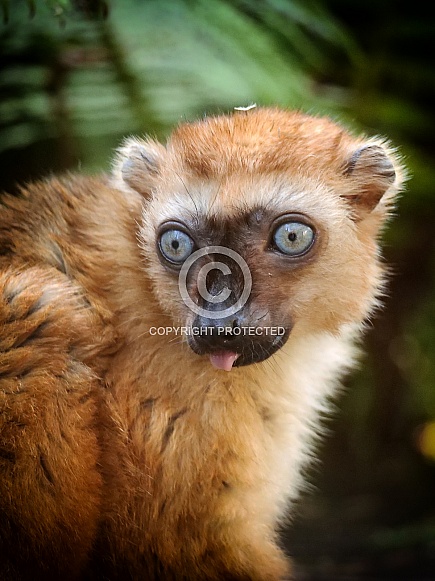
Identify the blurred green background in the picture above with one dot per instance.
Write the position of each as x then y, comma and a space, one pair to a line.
77, 76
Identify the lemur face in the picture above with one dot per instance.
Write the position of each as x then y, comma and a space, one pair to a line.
257, 223
229, 265
245, 261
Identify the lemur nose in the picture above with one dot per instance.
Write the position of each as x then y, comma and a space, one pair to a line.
218, 334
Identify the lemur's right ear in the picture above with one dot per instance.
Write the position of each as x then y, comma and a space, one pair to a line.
137, 164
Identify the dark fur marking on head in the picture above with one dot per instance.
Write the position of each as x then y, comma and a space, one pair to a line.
223, 231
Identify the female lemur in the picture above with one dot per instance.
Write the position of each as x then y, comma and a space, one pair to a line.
247, 244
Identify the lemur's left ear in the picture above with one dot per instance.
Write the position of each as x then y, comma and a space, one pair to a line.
372, 172
137, 164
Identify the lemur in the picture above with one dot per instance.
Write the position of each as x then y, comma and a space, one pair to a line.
128, 452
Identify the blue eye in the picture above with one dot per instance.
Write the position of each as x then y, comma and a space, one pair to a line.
176, 246
293, 238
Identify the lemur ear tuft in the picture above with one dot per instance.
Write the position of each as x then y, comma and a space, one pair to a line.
371, 172
137, 164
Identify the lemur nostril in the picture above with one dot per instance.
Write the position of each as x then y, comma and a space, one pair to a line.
228, 337
230, 332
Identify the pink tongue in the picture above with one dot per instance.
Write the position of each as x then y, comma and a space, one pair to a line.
223, 359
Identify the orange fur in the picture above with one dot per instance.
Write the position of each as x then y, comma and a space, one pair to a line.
124, 454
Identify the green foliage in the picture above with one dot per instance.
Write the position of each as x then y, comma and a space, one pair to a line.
60, 9
155, 62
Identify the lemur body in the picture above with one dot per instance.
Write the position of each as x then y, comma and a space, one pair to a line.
125, 454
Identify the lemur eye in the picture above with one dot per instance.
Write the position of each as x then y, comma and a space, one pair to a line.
176, 245
293, 238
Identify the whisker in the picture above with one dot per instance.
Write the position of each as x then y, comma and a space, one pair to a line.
190, 195
215, 197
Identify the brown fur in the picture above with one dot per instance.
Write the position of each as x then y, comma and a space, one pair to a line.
124, 455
